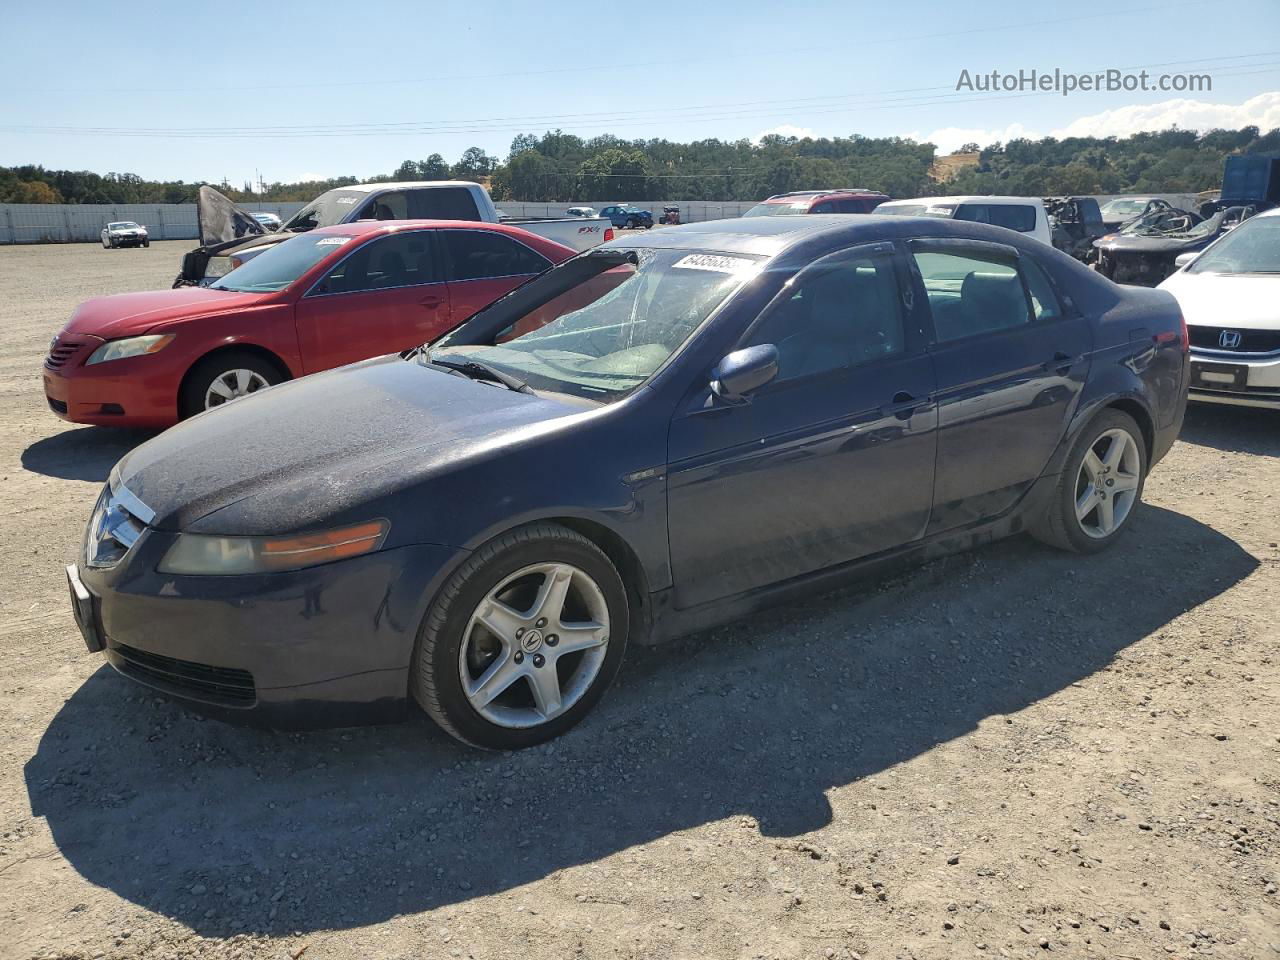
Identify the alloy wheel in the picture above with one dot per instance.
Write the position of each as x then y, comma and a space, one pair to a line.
534, 645
232, 385
1107, 485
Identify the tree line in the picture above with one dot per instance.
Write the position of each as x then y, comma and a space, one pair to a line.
558, 166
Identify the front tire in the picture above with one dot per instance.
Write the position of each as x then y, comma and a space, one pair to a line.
222, 378
522, 640
1099, 487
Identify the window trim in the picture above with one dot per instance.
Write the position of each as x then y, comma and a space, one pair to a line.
981, 249
446, 258
432, 241
911, 343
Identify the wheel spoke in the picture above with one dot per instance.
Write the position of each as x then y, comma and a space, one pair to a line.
499, 619
1086, 502
220, 388
503, 672
1115, 452
580, 636
546, 690
242, 381
551, 596
1093, 466
1106, 515
1124, 482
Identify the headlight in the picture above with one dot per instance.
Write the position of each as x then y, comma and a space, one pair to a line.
218, 267
130, 347
198, 555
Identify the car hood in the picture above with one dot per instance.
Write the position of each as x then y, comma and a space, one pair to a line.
315, 452
1240, 301
126, 314
1131, 243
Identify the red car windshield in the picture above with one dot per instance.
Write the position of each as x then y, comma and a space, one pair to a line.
279, 266
786, 208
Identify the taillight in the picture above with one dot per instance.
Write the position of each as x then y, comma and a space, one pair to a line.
608, 234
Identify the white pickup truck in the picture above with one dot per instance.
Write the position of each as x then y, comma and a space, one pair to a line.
227, 232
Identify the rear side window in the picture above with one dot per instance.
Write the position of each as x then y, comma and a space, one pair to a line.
478, 254
855, 205
1014, 216
400, 260
443, 203
970, 294
1044, 302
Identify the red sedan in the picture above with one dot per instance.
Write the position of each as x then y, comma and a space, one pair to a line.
319, 300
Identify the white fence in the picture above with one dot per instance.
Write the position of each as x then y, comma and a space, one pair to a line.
81, 222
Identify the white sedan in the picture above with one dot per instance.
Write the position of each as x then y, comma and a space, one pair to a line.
124, 233
1230, 296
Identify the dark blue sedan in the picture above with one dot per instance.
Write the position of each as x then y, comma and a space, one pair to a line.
659, 435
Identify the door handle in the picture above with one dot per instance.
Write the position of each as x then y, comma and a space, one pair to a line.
431, 300
1061, 363
903, 406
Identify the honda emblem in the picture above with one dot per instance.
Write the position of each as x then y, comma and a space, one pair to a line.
1229, 339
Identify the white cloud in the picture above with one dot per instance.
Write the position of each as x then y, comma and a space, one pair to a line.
947, 139
785, 130
1262, 111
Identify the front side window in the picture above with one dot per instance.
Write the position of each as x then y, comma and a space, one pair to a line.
479, 254
1252, 247
842, 311
971, 294
386, 206
1009, 215
611, 329
400, 260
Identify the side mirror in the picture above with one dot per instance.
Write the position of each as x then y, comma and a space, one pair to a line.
743, 371
1184, 259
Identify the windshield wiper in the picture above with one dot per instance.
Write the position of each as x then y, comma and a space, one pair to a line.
482, 371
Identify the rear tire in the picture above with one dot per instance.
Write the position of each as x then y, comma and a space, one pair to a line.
239, 373
1099, 487
500, 635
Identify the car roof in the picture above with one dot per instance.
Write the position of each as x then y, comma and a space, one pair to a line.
814, 194
404, 184
773, 237
968, 199
364, 228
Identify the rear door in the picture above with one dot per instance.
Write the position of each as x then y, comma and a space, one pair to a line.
388, 295
483, 265
1010, 356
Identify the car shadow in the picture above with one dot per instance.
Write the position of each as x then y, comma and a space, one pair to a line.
230, 829
82, 453
1232, 429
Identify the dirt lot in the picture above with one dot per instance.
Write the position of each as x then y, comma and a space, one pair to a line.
1000, 754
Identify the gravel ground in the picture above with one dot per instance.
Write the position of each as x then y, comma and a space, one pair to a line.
1002, 753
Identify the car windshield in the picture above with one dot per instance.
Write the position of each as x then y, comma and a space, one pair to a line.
1123, 208
326, 210
918, 209
775, 209
608, 333
122, 225
1252, 247
280, 265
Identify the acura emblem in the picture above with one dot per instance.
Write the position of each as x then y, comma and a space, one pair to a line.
1229, 339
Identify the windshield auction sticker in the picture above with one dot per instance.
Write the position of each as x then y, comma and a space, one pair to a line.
332, 241
707, 261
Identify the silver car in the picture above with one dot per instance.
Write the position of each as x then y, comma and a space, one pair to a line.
124, 233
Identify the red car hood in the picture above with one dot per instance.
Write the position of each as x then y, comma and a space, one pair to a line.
126, 314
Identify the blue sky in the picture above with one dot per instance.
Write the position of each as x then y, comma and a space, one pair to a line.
138, 87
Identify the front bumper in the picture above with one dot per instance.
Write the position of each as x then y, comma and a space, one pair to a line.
130, 241
134, 392
322, 647
1223, 377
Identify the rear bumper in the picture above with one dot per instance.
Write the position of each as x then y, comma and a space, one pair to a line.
323, 647
1256, 381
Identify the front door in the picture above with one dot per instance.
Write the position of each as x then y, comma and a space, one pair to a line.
1010, 357
389, 295
830, 462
